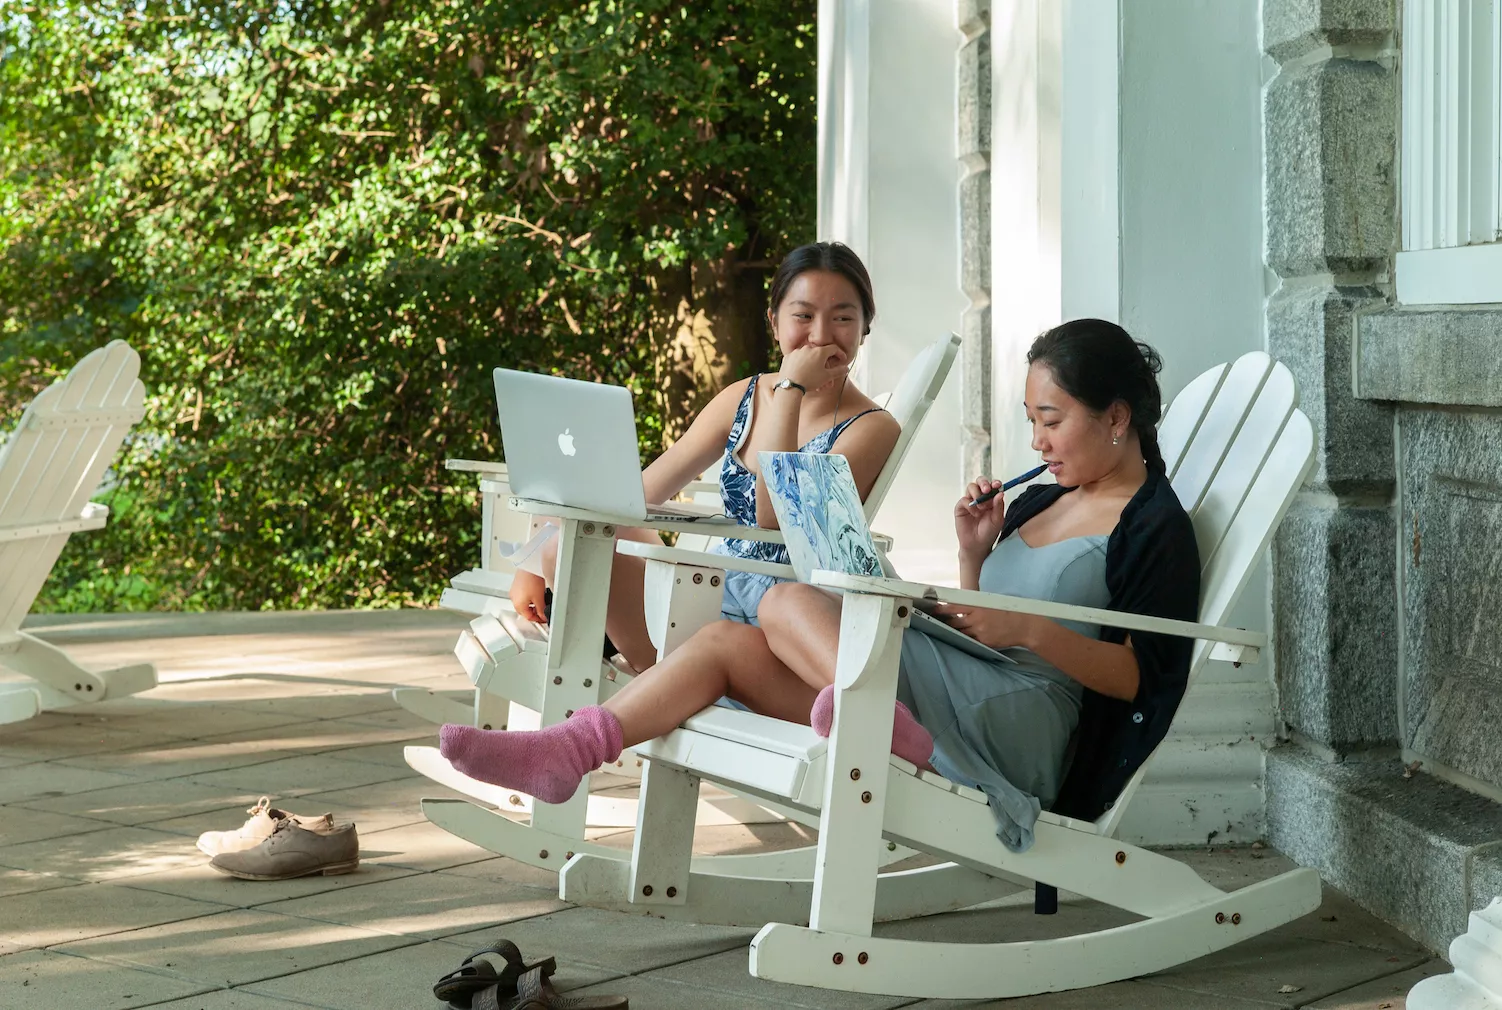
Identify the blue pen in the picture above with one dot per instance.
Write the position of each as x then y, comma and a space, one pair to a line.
1023, 479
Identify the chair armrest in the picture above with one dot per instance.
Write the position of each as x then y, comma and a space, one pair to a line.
703, 559
480, 466
699, 486
1040, 608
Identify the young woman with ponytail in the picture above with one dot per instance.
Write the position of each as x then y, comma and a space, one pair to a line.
1110, 534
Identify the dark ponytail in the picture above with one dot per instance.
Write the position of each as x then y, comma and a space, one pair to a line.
1099, 364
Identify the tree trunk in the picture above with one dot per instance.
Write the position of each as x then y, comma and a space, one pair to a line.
714, 332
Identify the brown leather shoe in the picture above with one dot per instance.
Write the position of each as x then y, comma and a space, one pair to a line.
294, 851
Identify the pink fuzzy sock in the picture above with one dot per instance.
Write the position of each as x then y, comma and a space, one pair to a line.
910, 741
548, 763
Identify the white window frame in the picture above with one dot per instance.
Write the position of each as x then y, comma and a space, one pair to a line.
1451, 152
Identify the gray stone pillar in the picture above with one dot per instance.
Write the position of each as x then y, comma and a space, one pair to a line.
1330, 137
973, 90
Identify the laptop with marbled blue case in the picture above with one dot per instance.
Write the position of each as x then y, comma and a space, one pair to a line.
824, 526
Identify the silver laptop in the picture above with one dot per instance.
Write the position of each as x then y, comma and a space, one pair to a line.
824, 526
573, 443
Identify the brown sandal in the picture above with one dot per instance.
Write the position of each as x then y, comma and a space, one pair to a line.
535, 992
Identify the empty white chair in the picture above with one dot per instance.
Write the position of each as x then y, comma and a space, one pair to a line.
49, 468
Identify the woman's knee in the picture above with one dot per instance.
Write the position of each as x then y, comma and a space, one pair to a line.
726, 638
782, 602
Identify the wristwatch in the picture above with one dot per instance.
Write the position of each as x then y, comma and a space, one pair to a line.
790, 384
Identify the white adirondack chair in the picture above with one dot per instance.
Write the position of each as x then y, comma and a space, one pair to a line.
506, 658
50, 466
1237, 450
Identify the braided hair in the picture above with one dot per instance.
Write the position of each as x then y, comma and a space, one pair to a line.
1098, 363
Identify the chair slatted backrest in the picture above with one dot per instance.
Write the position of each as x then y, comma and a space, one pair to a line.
909, 404
1237, 450
53, 462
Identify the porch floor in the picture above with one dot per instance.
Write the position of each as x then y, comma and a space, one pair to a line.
105, 902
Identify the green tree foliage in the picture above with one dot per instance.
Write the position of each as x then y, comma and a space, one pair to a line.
323, 222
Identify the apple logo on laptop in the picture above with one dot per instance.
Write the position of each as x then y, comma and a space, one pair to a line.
566, 443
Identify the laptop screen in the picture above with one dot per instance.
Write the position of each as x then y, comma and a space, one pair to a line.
819, 511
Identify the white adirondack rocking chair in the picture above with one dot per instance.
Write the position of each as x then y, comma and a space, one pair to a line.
506, 658
1237, 450
50, 466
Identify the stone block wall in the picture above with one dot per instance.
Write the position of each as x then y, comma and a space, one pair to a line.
1385, 571
1330, 199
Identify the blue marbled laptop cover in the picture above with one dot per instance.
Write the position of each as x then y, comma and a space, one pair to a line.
819, 510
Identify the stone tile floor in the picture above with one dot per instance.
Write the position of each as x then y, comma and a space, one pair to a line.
105, 902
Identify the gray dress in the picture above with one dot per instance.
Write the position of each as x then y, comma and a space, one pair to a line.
1005, 728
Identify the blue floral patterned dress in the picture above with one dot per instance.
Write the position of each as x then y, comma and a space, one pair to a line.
743, 590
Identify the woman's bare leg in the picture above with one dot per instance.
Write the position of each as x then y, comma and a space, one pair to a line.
625, 614
722, 659
802, 625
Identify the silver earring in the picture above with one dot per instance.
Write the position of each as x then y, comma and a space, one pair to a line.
1115, 439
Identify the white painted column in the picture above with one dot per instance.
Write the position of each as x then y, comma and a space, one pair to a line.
1026, 122
887, 188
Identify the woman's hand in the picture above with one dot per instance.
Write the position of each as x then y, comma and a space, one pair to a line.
978, 526
527, 597
999, 629
812, 366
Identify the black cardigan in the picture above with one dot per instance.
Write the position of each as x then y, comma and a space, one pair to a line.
1152, 568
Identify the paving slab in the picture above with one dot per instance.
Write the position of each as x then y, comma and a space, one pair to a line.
398, 979
103, 855
144, 802
398, 718
235, 947
1129, 995
183, 720
298, 776
181, 758
391, 754
424, 905
423, 846
1340, 920
80, 735
177, 759
626, 943
47, 980
64, 914
1387, 993
232, 999
1259, 967
379, 805
730, 973
202, 882
652, 992
42, 781
280, 696
1014, 920
505, 870
25, 881
21, 824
